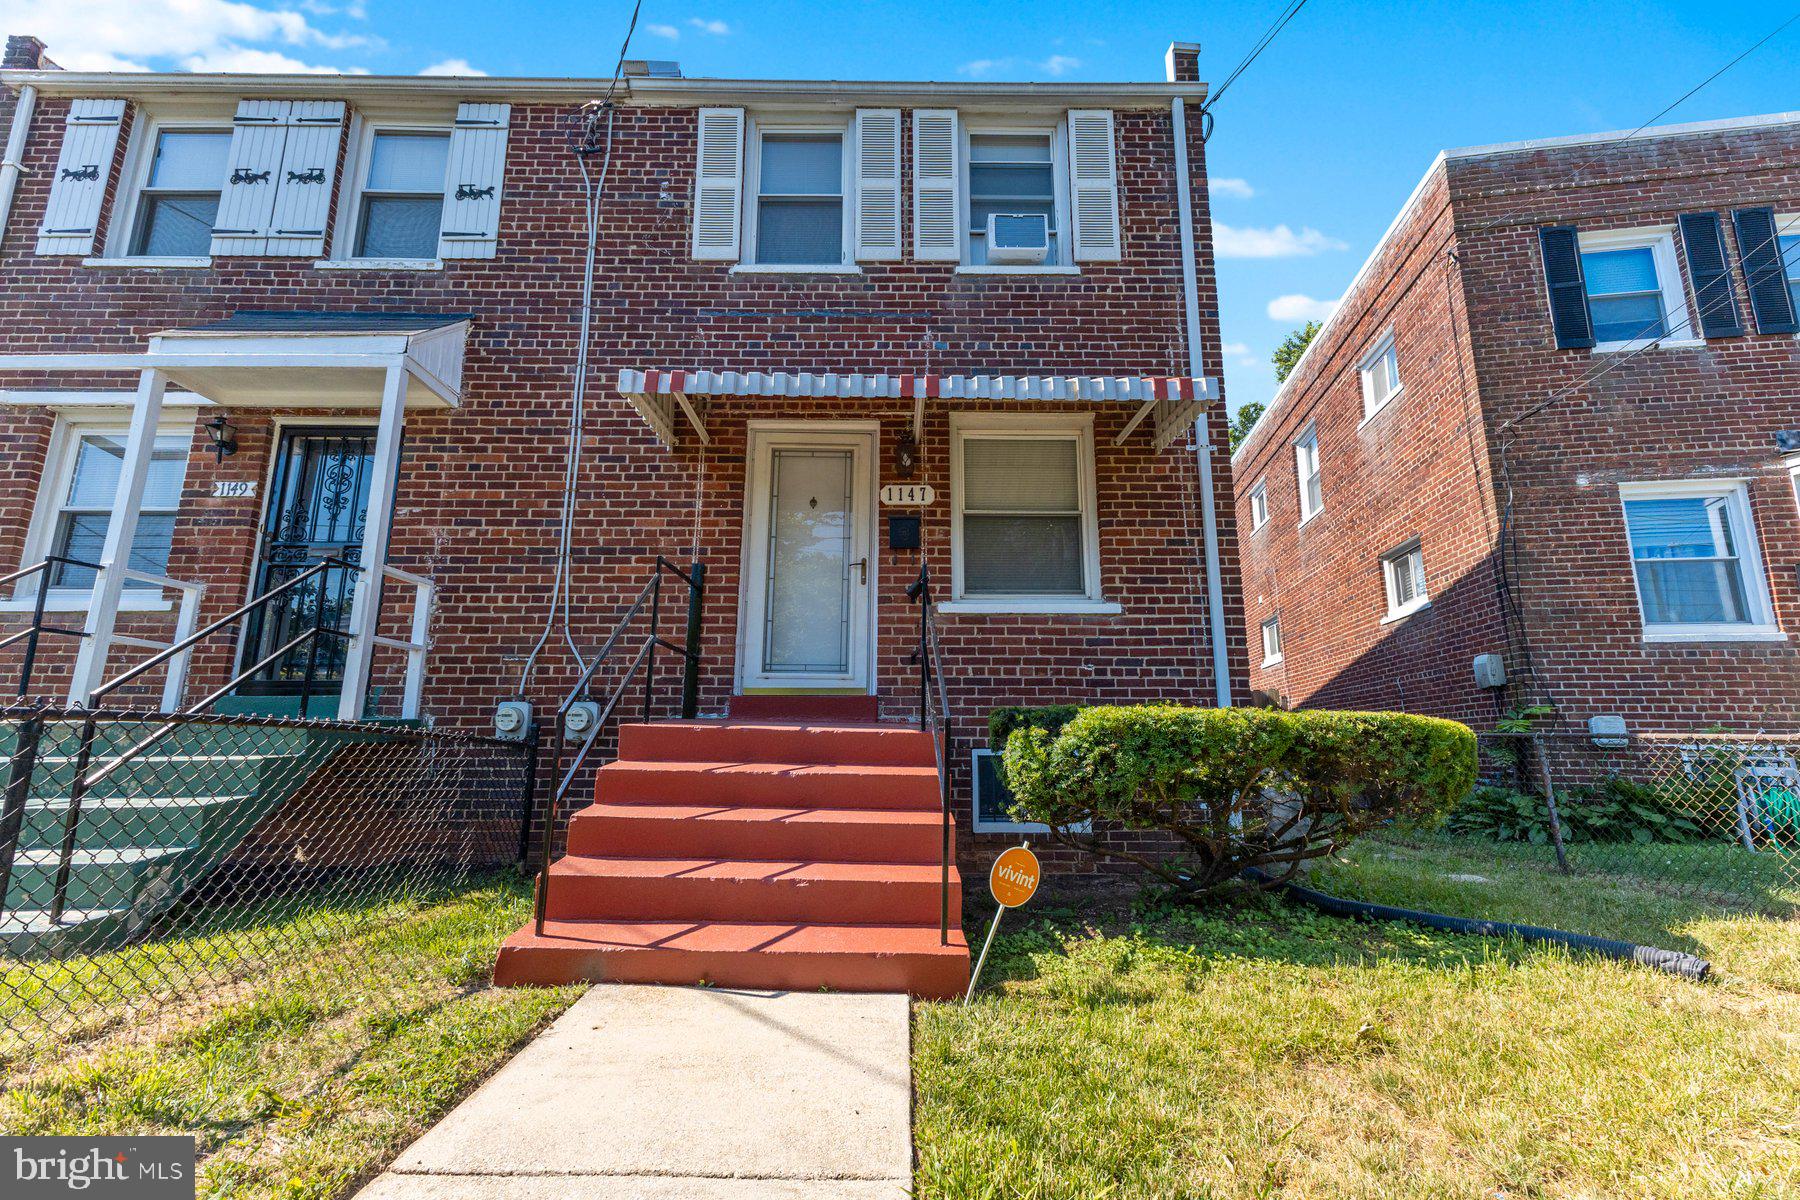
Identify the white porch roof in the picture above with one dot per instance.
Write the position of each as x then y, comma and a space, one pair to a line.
1174, 401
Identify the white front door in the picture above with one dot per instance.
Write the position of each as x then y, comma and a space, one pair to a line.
809, 569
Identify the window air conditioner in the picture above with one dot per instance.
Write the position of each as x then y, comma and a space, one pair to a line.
1018, 237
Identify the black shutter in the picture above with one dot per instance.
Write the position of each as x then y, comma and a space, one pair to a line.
1568, 290
1759, 250
1703, 241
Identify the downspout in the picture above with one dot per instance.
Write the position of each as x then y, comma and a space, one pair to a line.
1209, 509
10, 162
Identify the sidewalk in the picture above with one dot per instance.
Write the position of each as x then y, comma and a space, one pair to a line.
684, 1094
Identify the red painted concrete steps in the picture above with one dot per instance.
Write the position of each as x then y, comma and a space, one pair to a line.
754, 853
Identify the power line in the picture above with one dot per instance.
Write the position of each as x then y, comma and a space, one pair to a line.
1269, 35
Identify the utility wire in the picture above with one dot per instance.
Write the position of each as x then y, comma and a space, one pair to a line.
1281, 21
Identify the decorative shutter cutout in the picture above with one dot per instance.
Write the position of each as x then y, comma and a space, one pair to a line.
1569, 318
83, 166
303, 185
937, 194
719, 184
474, 181
877, 184
1703, 243
1093, 185
247, 204
1759, 251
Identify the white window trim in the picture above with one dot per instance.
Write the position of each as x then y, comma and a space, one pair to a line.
140, 156
1079, 427
1058, 130
149, 263
1786, 225
1268, 659
1259, 505
752, 194
1365, 370
978, 825
341, 254
379, 264
1756, 581
53, 483
1390, 563
1310, 433
1661, 241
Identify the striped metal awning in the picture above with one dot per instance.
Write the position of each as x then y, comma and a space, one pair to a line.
661, 396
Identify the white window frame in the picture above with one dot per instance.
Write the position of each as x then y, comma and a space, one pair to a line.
1271, 625
1259, 505
1736, 493
1076, 427
1384, 348
1786, 225
977, 824
53, 485
1391, 564
1660, 240
845, 128
140, 158
1058, 129
363, 128
1309, 437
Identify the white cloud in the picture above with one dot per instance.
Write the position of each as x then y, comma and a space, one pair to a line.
664, 31
1237, 189
983, 66
218, 35
242, 60
1059, 64
1056, 64
1239, 353
1296, 307
1278, 242
452, 66
708, 25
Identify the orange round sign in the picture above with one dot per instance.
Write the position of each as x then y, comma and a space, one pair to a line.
1015, 876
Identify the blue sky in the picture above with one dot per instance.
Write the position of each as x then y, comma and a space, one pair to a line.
1325, 135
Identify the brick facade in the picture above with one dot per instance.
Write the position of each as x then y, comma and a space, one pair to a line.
1503, 454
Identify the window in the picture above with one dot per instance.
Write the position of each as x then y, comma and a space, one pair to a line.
402, 202
1259, 507
1306, 467
1011, 173
1271, 640
81, 499
1380, 376
1024, 497
1790, 257
799, 215
1633, 287
179, 201
1694, 559
1404, 573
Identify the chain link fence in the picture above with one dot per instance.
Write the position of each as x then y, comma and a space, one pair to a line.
150, 862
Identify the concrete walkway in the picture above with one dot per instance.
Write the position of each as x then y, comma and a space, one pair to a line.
684, 1094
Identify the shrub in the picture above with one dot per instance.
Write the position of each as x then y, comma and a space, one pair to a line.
1615, 810
1233, 788
1048, 717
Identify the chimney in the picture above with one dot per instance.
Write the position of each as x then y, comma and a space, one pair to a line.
1182, 62
22, 54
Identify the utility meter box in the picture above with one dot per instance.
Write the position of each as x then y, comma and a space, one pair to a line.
581, 720
1490, 671
512, 720
1608, 730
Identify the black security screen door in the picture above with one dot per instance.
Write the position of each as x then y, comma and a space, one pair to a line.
317, 508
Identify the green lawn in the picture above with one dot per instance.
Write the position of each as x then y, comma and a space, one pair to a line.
1260, 1050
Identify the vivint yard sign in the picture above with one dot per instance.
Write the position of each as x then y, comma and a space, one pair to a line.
1013, 880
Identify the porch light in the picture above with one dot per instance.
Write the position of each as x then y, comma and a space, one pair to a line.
906, 455
224, 437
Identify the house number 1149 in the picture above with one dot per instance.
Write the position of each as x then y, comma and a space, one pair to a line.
233, 489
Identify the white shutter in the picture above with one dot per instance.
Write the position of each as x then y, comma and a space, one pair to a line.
83, 166
1093, 185
719, 184
303, 185
247, 201
474, 181
877, 183
937, 196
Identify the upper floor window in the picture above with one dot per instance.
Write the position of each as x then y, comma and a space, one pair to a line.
1790, 257
1380, 376
1404, 573
1634, 290
799, 187
1695, 561
179, 201
402, 203
1306, 468
1259, 507
1012, 174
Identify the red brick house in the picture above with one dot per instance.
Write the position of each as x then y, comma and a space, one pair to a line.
1554, 426
837, 331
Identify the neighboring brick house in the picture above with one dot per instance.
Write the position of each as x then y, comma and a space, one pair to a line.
371, 288
1555, 419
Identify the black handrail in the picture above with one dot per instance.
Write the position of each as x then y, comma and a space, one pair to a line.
934, 717
650, 594
32, 632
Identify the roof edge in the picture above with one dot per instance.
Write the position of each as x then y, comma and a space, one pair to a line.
1648, 134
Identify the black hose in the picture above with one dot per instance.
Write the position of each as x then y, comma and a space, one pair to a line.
1675, 962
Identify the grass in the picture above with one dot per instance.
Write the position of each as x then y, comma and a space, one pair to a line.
1260, 1050
299, 1085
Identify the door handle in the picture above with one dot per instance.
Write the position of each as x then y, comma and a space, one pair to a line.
862, 570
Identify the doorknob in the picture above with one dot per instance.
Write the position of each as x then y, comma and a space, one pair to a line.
862, 570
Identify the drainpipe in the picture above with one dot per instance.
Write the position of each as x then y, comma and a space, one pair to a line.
1209, 509
10, 164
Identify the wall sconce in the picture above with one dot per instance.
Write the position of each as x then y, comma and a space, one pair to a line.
224, 437
906, 455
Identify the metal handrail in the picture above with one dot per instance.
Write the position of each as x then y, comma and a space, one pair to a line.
32, 632
934, 717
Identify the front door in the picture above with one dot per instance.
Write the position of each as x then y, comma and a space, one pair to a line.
809, 567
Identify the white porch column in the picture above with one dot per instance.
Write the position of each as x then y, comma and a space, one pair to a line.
365, 609
121, 529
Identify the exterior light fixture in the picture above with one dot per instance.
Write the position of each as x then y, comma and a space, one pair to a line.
224, 437
906, 455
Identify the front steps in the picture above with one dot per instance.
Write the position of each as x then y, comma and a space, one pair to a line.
756, 854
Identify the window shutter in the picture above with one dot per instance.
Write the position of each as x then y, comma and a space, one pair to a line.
83, 166
877, 184
252, 175
1093, 185
1561, 247
474, 181
303, 185
937, 196
719, 184
1759, 251
1703, 242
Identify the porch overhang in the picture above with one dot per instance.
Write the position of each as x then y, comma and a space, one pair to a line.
669, 399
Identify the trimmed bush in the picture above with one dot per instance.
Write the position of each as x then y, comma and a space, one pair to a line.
1233, 788
1048, 717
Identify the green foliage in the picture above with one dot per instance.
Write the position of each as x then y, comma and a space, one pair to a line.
1048, 717
1244, 420
1522, 720
1235, 788
1287, 355
1617, 810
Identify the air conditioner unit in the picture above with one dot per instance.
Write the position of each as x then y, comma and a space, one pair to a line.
1018, 237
